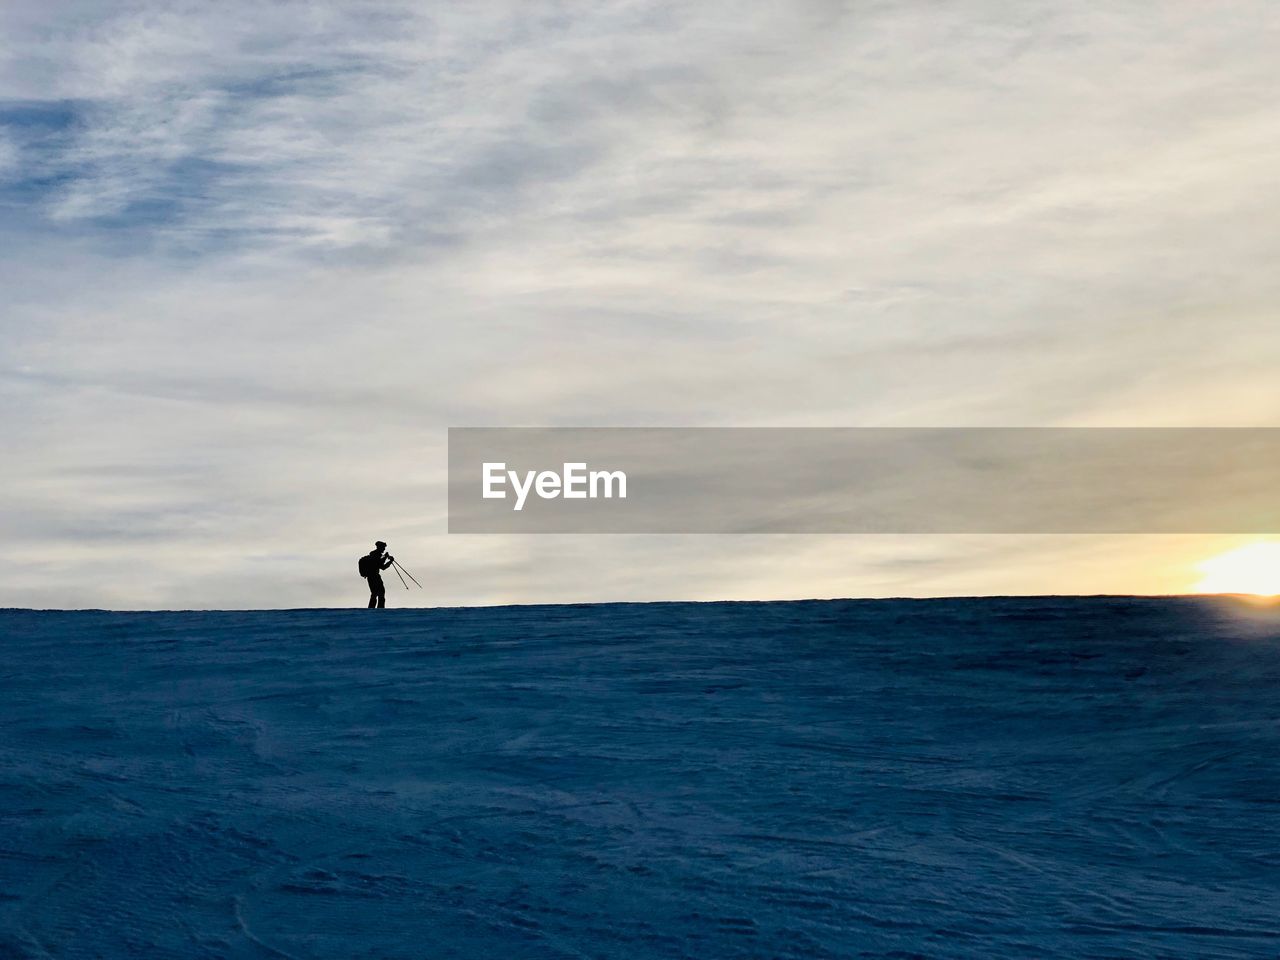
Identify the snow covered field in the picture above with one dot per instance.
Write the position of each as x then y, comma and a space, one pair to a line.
1027, 778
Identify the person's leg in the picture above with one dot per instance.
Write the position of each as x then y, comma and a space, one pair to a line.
373, 597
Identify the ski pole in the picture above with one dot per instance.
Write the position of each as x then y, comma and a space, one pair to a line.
406, 586
396, 563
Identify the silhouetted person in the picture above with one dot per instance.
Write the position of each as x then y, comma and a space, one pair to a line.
371, 567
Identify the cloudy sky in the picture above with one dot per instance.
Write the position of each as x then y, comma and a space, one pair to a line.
256, 258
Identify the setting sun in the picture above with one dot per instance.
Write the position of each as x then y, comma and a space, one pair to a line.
1253, 569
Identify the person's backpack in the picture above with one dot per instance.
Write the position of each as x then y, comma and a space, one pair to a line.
365, 565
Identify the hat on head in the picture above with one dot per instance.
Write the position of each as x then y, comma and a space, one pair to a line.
379, 543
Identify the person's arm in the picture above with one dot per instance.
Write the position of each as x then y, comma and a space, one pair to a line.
387, 561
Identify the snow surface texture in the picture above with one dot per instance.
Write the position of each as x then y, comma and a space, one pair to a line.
967, 778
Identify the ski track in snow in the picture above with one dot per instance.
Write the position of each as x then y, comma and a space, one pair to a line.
1038, 777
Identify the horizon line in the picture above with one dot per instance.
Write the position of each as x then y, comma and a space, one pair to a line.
1255, 598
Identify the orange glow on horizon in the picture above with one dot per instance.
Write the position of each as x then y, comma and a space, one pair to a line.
1253, 569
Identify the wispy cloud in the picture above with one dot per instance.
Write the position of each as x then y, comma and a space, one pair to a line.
336, 125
